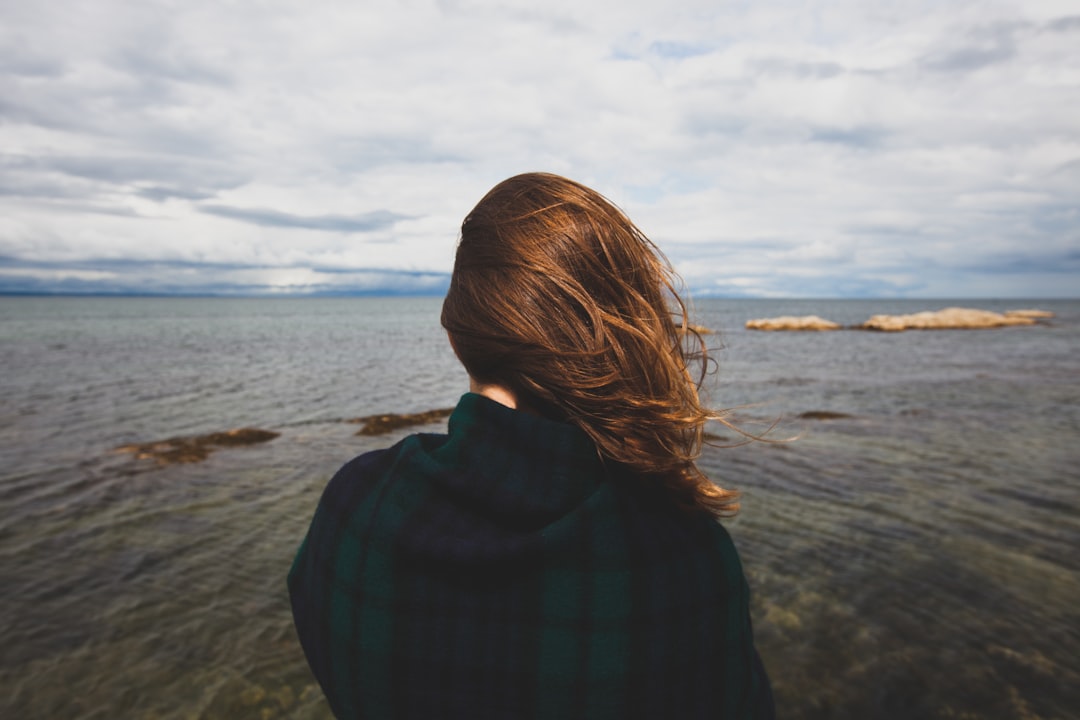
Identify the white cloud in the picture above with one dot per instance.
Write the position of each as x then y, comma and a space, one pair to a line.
769, 148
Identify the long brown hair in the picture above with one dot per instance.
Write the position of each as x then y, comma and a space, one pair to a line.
558, 296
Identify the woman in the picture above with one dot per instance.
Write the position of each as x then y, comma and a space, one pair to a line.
557, 554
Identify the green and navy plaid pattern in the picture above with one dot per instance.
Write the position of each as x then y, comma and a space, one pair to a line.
500, 571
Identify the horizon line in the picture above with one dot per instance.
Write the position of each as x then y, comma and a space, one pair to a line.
408, 294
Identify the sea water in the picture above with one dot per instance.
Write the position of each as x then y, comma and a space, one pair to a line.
915, 555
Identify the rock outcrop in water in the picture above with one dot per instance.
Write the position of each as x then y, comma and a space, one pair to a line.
948, 319
792, 322
823, 415
381, 424
197, 448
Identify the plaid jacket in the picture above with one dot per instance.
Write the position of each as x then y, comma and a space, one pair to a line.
500, 572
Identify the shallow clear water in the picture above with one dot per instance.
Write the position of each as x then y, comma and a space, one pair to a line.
916, 559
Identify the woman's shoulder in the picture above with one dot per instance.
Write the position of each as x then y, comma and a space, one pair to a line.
360, 475
658, 529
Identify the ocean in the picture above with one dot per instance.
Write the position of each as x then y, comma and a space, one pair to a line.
912, 555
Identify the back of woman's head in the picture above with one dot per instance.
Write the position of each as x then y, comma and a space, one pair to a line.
557, 296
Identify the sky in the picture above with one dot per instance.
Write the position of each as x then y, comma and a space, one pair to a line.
770, 149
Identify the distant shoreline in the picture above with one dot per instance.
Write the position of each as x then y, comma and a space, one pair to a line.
385, 294
216, 296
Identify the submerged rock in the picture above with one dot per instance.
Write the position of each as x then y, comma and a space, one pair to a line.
699, 329
823, 415
1031, 313
948, 319
380, 424
792, 322
197, 448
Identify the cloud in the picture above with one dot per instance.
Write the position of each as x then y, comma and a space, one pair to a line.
377, 220
164, 66
784, 66
859, 137
769, 148
980, 48
1070, 23
161, 194
1050, 262
119, 169
111, 276
677, 50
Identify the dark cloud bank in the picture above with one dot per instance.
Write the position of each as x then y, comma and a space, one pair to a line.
186, 278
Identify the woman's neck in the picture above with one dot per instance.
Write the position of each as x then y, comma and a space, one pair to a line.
498, 393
